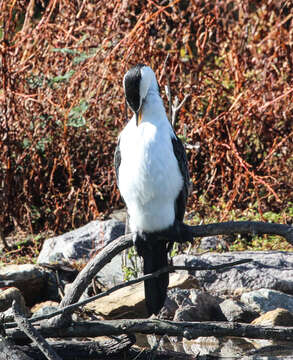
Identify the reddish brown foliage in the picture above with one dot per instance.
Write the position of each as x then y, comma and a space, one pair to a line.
62, 104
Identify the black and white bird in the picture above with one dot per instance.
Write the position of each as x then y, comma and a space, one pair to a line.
153, 178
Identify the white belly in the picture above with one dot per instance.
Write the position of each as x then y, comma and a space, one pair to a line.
149, 176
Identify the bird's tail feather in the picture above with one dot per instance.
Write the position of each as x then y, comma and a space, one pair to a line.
153, 249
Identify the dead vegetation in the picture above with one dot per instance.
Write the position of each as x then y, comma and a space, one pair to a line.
62, 105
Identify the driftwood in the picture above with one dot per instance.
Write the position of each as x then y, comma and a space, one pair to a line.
32, 333
68, 350
62, 326
87, 350
8, 351
101, 259
70, 308
188, 330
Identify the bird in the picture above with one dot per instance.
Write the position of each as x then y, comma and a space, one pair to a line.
153, 179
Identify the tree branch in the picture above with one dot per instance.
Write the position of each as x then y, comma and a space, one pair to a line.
70, 308
188, 330
242, 227
25, 326
115, 247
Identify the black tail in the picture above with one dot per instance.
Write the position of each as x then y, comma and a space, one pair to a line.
153, 250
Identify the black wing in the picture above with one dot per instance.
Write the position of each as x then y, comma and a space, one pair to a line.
180, 203
117, 161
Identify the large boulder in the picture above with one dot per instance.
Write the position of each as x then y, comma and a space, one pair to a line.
129, 302
268, 269
30, 279
264, 300
81, 244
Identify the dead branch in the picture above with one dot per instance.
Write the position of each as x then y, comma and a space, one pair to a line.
8, 351
188, 330
86, 350
70, 308
242, 227
97, 263
176, 107
25, 326
84, 278
107, 349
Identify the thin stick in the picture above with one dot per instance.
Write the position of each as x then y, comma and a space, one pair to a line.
25, 326
169, 269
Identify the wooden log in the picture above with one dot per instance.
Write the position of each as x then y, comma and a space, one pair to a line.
114, 348
8, 351
188, 330
115, 247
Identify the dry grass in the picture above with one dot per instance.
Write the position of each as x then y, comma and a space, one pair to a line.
62, 105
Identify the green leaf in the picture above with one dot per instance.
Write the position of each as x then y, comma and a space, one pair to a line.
76, 118
64, 77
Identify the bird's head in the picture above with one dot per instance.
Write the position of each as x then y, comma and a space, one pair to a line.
137, 82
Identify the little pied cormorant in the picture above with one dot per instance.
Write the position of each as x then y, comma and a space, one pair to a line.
153, 178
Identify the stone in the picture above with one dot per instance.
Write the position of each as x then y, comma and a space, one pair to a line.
81, 244
264, 300
277, 317
217, 348
30, 279
130, 301
201, 345
191, 305
268, 269
6, 298
44, 308
237, 311
212, 243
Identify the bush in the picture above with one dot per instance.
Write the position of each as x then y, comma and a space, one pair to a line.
62, 103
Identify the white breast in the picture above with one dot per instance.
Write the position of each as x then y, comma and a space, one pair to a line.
149, 175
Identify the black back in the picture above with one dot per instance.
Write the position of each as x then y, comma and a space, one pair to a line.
180, 154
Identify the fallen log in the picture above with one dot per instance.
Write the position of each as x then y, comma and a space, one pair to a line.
188, 330
8, 351
114, 348
25, 326
84, 278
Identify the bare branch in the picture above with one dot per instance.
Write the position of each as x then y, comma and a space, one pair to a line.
188, 330
176, 108
33, 334
69, 302
97, 263
242, 227
70, 308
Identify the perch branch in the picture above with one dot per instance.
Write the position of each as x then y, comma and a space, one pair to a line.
115, 247
188, 330
242, 227
70, 308
32, 333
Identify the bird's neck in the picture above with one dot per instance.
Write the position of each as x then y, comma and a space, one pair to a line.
153, 107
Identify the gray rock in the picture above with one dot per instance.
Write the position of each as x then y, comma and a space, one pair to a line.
191, 305
212, 243
46, 310
264, 300
202, 346
269, 269
80, 244
217, 348
237, 311
113, 274
7, 296
30, 279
